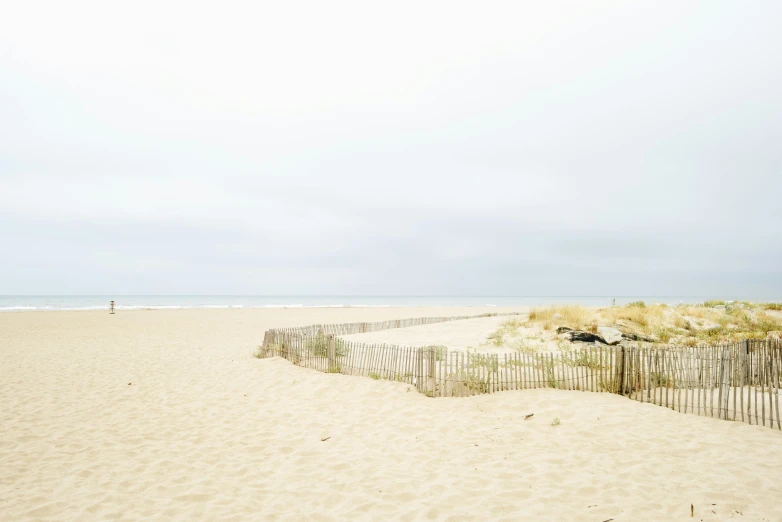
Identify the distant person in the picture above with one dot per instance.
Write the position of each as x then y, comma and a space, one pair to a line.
111, 307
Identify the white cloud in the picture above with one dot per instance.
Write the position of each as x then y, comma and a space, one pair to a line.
340, 147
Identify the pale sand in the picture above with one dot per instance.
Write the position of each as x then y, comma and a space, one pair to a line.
205, 432
456, 335
463, 335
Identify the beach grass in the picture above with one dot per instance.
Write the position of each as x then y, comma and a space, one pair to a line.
710, 322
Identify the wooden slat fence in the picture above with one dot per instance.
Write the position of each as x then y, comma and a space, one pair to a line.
356, 328
738, 381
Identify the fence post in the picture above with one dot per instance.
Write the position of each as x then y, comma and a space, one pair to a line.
330, 352
265, 346
432, 381
619, 370
725, 369
419, 357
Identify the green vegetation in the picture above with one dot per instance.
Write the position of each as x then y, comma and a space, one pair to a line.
549, 374
484, 360
511, 335
472, 382
523, 346
510, 328
439, 351
271, 350
374, 375
555, 422
318, 345
576, 356
496, 338
659, 380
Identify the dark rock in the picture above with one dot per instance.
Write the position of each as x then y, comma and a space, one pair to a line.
580, 336
585, 337
632, 336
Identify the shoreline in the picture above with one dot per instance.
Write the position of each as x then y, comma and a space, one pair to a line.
13, 303
119, 309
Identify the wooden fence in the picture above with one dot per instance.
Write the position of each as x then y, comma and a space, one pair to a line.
738, 381
356, 328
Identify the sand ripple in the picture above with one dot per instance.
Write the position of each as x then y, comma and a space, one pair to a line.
204, 432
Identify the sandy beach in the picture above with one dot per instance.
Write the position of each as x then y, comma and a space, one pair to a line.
456, 335
165, 415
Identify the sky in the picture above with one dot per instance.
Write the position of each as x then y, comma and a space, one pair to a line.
399, 148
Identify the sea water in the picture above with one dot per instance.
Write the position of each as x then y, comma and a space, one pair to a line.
155, 302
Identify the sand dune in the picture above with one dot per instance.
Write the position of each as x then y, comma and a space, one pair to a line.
164, 415
456, 335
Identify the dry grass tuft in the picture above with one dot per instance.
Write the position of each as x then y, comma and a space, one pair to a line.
523, 346
573, 316
712, 322
641, 316
681, 322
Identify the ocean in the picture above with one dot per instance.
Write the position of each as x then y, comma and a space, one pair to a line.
12, 303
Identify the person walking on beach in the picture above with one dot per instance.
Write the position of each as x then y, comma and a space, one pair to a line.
111, 307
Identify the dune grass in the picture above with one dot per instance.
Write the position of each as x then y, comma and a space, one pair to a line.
572, 316
711, 322
511, 335
439, 350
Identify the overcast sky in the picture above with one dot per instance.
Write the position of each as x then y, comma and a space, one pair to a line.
481, 148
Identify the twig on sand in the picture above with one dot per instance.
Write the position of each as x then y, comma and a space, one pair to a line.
324, 439
527, 417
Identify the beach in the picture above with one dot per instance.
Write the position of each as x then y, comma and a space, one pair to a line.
166, 415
